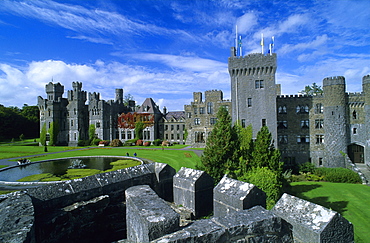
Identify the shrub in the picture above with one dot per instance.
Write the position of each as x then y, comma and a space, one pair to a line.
139, 142
339, 175
116, 143
266, 180
95, 141
306, 167
105, 142
157, 142
130, 142
83, 143
166, 143
147, 143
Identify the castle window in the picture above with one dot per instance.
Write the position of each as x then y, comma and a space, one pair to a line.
320, 161
209, 107
123, 135
195, 110
249, 102
178, 127
129, 135
354, 130
166, 127
71, 123
303, 139
196, 121
172, 136
259, 84
282, 124
189, 114
243, 123
283, 139
282, 109
201, 110
319, 123
263, 122
305, 124
302, 109
172, 127
213, 121
319, 108
166, 136
97, 124
178, 136
354, 115
319, 139
226, 107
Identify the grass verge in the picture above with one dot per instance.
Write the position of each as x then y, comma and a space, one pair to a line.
351, 200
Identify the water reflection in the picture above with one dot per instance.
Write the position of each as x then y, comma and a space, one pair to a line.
57, 167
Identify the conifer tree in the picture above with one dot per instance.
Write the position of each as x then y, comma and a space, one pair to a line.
53, 132
220, 154
43, 135
245, 136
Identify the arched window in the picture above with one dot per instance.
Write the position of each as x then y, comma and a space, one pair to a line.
354, 115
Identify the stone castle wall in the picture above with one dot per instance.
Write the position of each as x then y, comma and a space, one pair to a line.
95, 209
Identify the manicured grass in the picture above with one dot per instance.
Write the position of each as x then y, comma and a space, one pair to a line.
175, 158
351, 200
20, 151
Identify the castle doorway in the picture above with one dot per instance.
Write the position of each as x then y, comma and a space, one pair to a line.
356, 153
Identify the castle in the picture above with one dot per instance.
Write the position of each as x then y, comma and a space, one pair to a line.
322, 129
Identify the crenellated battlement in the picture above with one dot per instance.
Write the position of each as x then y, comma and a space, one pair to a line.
335, 80
366, 79
94, 96
257, 63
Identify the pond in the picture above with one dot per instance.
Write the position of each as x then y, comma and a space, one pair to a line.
58, 167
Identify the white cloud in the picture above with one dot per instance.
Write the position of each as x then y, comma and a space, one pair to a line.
246, 22
22, 85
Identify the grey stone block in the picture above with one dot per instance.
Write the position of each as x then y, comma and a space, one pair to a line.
312, 222
164, 186
204, 230
147, 216
17, 218
255, 225
232, 195
193, 189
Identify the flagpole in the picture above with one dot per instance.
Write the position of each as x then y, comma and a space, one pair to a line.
240, 46
236, 40
262, 43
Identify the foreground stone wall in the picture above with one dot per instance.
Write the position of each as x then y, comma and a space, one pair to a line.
93, 209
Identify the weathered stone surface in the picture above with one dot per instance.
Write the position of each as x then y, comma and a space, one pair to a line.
204, 230
147, 216
312, 222
193, 189
164, 174
253, 225
232, 195
17, 218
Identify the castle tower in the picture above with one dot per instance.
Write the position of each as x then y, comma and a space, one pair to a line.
119, 96
253, 91
335, 119
366, 92
54, 91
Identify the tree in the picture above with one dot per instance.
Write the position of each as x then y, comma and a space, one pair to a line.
92, 131
312, 90
245, 136
53, 133
43, 135
264, 153
139, 127
219, 156
127, 99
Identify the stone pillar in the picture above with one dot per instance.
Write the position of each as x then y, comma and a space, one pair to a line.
193, 189
164, 174
312, 222
232, 195
147, 216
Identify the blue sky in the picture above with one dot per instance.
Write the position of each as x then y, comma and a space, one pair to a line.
167, 50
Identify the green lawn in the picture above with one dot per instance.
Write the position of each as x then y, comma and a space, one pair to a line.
351, 200
175, 158
20, 151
